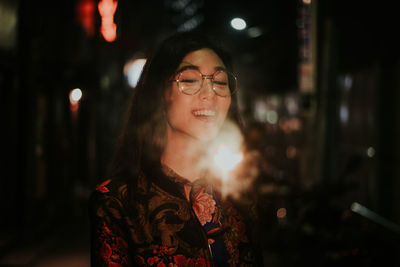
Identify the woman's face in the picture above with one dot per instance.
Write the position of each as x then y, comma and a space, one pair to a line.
201, 115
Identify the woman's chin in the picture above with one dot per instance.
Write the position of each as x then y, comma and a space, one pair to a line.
206, 137
207, 134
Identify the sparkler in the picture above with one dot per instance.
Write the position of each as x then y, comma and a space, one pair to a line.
229, 160
226, 159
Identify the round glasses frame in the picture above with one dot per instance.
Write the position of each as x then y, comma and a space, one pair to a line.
232, 82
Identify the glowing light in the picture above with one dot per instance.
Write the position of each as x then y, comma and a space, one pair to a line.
348, 82
133, 70
238, 24
8, 24
365, 212
288, 125
254, 32
370, 152
260, 111
281, 213
191, 23
75, 95
292, 105
225, 159
232, 165
344, 114
272, 116
108, 28
86, 9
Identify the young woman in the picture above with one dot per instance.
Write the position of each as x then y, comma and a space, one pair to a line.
160, 206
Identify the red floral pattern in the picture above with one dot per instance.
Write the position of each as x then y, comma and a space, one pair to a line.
163, 258
203, 206
112, 248
102, 187
110, 214
236, 235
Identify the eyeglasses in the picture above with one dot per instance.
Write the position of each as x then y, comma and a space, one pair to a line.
190, 81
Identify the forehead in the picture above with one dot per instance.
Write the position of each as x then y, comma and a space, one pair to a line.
202, 57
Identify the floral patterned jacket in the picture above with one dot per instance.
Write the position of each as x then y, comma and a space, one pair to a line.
170, 222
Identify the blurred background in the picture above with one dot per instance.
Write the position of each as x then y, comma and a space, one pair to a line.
319, 90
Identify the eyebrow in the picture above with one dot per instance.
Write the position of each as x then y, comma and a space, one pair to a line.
194, 67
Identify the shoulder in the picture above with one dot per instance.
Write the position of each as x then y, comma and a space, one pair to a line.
111, 185
111, 189
118, 190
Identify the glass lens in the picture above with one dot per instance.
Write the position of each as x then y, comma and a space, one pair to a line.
224, 83
190, 81
221, 83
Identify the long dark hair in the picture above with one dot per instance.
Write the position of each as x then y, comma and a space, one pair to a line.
143, 134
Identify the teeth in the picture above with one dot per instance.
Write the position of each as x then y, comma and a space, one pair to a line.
204, 112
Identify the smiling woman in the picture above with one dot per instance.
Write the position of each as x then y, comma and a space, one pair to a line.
193, 106
162, 203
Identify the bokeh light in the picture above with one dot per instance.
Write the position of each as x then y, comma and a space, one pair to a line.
238, 24
370, 152
108, 28
281, 213
133, 70
75, 95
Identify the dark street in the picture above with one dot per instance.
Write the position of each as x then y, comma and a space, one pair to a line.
318, 91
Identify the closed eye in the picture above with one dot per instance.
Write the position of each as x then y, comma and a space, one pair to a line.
220, 83
188, 81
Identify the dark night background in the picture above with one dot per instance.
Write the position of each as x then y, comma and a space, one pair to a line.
319, 91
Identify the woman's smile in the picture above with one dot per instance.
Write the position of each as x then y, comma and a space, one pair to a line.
205, 114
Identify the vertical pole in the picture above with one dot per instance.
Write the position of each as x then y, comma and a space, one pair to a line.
327, 96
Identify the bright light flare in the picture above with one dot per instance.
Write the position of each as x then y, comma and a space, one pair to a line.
231, 164
227, 160
75, 95
226, 149
133, 70
238, 24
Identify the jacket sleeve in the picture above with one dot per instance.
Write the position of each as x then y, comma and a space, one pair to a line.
108, 247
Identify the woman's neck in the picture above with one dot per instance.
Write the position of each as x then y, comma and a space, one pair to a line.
185, 156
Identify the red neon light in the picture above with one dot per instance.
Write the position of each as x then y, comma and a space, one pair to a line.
86, 9
108, 28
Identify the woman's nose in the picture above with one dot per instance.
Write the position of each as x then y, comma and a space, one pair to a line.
206, 90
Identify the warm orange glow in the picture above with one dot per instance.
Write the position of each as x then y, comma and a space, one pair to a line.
86, 9
281, 213
231, 165
108, 28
